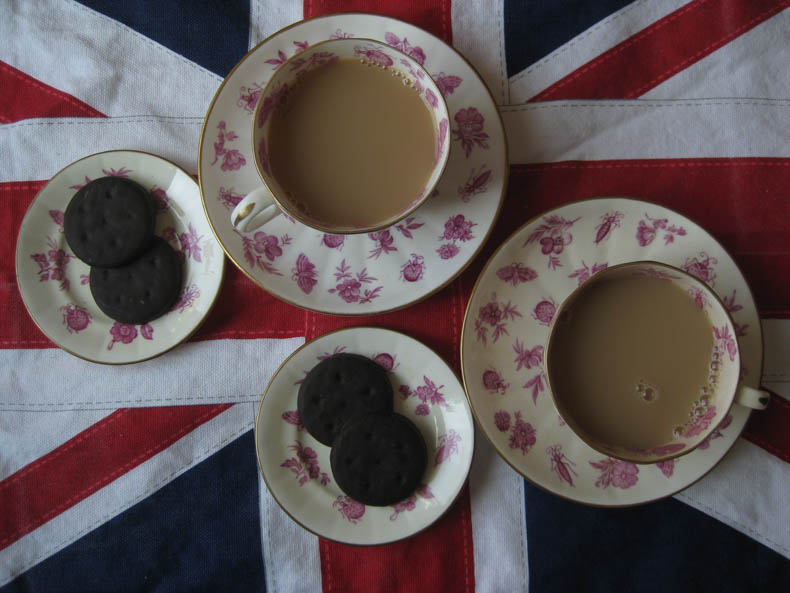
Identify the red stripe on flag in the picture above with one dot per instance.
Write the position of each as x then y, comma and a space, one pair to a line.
431, 15
22, 97
770, 429
439, 559
89, 461
658, 52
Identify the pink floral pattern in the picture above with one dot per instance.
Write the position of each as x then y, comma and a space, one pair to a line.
701, 422
374, 54
351, 510
229, 198
609, 222
583, 274
446, 83
339, 34
232, 159
160, 197
249, 95
406, 227
429, 394
516, 273
544, 311
292, 417
522, 435
527, 358
502, 420
304, 274
470, 130
560, 464
189, 294
386, 361
667, 467
476, 183
702, 267
716, 433
57, 218
350, 287
647, 230
732, 307
414, 269
726, 341
384, 243
75, 318
409, 504
333, 241
262, 247
553, 234
305, 465
616, 473
536, 386
52, 264
414, 52
494, 315
448, 446
494, 382
457, 228
125, 333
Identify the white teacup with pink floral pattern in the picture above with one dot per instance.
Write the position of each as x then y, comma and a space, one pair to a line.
271, 199
715, 399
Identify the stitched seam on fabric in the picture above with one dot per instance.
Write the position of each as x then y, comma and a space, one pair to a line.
643, 105
538, 168
249, 332
445, 20
179, 120
20, 185
718, 43
573, 42
40, 520
465, 520
121, 508
501, 41
523, 538
103, 423
726, 519
50, 91
232, 398
602, 59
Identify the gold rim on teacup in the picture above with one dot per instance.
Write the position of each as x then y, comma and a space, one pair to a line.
267, 201
727, 363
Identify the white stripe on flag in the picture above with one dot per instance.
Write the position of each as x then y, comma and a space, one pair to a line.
499, 535
479, 34
639, 129
100, 61
122, 493
269, 16
752, 65
588, 45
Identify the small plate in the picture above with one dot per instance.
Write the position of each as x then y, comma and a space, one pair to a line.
506, 328
366, 273
296, 467
54, 283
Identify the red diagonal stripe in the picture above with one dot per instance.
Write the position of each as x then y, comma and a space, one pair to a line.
89, 461
669, 45
770, 429
22, 97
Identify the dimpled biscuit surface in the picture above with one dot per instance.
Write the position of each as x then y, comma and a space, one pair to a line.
379, 459
142, 290
109, 221
339, 388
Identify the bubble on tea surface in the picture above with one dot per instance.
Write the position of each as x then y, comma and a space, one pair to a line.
678, 432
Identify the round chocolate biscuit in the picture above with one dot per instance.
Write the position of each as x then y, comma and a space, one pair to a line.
109, 222
339, 388
140, 291
379, 459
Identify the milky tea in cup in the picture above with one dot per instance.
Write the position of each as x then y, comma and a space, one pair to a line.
643, 362
350, 136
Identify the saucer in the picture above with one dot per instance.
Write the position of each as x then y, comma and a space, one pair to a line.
366, 273
54, 283
296, 467
506, 328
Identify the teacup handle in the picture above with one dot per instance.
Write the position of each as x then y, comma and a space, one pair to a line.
752, 398
258, 206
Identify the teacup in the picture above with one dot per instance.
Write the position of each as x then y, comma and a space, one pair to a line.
643, 362
349, 136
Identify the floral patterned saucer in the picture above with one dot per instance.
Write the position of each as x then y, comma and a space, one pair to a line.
367, 273
507, 325
296, 467
54, 283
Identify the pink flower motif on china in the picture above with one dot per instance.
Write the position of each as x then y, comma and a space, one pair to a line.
292, 417
494, 315
701, 267
189, 295
160, 197
522, 435
414, 269
85, 279
458, 228
443, 126
422, 410
448, 446
537, 386
333, 241
270, 102
406, 227
351, 288
727, 342
583, 274
300, 46
339, 34
470, 130
553, 235
81, 185
269, 245
318, 58
699, 298
701, 423
52, 264
647, 230
351, 510
254, 249
305, 465
430, 97
614, 472
428, 393
476, 183
190, 244
386, 361
516, 273
372, 53
502, 421
277, 61
304, 274
494, 382
667, 467
609, 222
248, 96
147, 331
560, 464
527, 358
123, 333
229, 198
232, 159
410, 50
384, 243
122, 172
57, 217
75, 318
325, 355
448, 250
544, 311
716, 434
446, 83
403, 506
732, 307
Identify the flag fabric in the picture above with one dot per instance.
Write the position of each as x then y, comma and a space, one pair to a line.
144, 478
